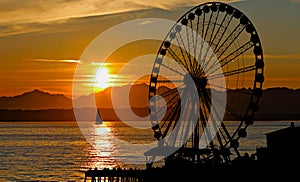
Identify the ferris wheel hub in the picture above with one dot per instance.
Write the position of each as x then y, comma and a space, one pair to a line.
199, 82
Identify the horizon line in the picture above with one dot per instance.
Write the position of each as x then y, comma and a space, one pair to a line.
52, 93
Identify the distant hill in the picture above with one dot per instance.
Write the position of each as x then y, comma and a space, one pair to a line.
138, 96
280, 100
276, 104
40, 100
279, 104
36, 100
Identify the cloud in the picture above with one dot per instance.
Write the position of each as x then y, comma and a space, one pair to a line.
41, 11
14, 28
171, 4
29, 11
38, 15
53, 60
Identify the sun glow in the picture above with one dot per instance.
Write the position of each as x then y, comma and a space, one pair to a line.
102, 79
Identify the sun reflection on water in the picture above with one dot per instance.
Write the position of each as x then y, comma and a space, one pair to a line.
101, 149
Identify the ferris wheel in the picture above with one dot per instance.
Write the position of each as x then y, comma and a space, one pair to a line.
212, 58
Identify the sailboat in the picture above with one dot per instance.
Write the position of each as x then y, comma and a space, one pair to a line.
98, 118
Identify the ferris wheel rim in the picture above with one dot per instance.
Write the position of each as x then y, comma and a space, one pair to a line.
259, 71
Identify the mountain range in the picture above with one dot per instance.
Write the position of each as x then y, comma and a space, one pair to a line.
276, 103
41, 100
35, 100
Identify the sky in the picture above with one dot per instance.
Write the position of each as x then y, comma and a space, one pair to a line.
41, 41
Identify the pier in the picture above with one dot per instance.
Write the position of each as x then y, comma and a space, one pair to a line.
115, 175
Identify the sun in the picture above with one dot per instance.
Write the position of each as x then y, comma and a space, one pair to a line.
102, 79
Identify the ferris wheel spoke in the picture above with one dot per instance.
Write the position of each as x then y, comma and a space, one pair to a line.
207, 105
171, 91
194, 61
219, 51
214, 27
219, 138
177, 115
200, 71
193, 42
224, 136
216, 128
229, 40
227, 107
175, 130
169, 68
206, 101
233, 72
172, 119
195, 112
183, 54
172, 100
208, 26
203, 119
203, 25
219, 36
203, 115
198, 23
188, 61
187, 116
203, 40
210, 37
189, 47
167, 118
227, 137
170, 104
203, 110
198, 31
177, 59
170, 107
232, 56
221, 31
239, 51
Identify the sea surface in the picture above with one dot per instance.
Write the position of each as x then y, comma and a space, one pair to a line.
57, 151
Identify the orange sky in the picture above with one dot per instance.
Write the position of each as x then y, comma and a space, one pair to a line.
41, 42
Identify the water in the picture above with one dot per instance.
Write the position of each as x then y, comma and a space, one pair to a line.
57, 151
